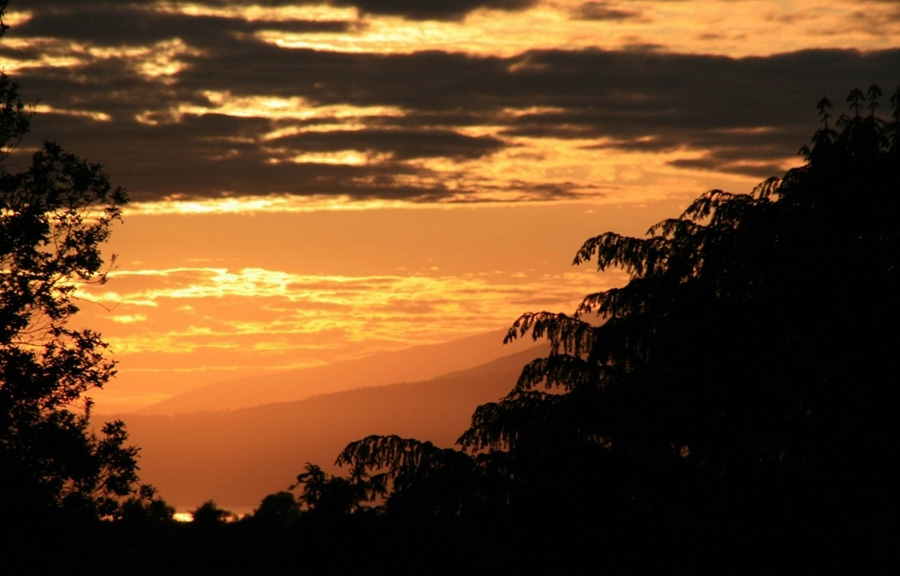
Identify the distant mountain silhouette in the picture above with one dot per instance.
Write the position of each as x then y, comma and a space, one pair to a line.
238, 457
410, 365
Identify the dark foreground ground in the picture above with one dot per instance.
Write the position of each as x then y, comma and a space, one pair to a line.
367, 547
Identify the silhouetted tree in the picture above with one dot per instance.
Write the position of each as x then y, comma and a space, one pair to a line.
423, 481
209, 515
53, 219
277, 510
753, 341
146, 508
746, 371
329, 496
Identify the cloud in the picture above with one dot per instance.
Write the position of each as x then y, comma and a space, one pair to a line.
433, 10
167, 313
131, 24
196, 106
603, 11
403, 144
410, 9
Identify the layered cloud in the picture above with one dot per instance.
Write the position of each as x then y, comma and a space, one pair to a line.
316, 101
201, 324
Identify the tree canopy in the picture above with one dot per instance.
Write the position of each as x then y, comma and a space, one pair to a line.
748, 367
54, 218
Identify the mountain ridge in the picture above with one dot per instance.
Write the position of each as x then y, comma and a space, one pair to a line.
237, 457
413, 364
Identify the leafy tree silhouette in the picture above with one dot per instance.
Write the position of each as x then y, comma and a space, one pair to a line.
53, 219
424, 481
209, 515
277, 510
745, 372
331, 497
146, 508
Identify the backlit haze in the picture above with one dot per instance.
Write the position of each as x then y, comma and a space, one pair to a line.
320, 181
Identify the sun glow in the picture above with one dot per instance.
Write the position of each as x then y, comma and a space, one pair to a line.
273, 108
97, 116
16, 18
159, 61
255, 311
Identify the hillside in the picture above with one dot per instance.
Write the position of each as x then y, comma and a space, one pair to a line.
237, 457
410, 365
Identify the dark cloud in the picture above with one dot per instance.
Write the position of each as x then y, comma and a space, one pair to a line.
756, 109
209, 156
748, 113
409, 9
425, 81
131, 25
603, 11
401, 144
432, 9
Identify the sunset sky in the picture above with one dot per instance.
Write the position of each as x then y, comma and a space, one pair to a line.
317, 181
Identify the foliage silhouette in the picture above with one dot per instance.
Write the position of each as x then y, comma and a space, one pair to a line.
209, 515
331, 497
424, 481
53, 219
278, 510
146, 509
744, 374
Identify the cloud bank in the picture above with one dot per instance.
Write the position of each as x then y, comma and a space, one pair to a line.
203, 105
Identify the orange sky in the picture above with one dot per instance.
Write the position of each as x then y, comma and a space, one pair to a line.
318, 181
